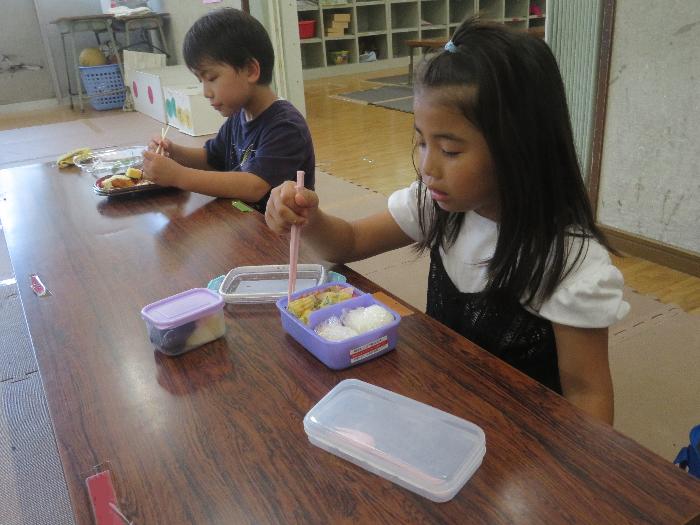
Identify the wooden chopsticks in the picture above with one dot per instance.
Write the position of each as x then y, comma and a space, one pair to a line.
163, 133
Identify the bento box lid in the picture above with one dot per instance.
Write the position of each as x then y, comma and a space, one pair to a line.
419, 447
182, 308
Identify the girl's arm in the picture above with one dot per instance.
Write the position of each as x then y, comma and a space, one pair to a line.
231, 184
334, 239
584, 369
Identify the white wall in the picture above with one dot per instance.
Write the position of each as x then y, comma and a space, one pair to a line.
49, 10
650, 173
23, 44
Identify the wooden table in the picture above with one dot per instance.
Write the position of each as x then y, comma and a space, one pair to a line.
216, 437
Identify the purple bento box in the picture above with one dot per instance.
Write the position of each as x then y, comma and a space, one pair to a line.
349, 352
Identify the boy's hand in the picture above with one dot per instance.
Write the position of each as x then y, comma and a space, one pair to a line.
160, 169
165, 145
288, 206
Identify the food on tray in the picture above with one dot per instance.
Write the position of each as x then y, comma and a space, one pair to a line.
303, 306
134, 173
120, 182
117, 181
354, 322
66, 159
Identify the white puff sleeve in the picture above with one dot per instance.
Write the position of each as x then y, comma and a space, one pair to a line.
591, 295
403, 206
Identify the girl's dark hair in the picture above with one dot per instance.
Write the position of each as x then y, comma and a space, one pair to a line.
232, 37
507, 84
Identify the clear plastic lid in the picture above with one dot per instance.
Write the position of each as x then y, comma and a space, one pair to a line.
182, 308
419, 447
264, 284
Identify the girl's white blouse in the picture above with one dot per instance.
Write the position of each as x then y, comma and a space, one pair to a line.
589, 297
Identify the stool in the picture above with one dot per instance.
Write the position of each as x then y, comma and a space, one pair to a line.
425, 45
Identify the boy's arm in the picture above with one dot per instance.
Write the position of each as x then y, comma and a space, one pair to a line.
189, 157
584, 369
232, 184
241, 185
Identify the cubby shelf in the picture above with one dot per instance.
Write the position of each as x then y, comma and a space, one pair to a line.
383, 26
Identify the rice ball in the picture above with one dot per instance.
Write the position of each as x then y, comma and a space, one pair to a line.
366, 319
333, 330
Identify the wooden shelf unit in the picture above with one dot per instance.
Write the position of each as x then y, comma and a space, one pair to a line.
383, 26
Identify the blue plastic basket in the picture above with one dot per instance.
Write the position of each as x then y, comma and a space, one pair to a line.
103, 79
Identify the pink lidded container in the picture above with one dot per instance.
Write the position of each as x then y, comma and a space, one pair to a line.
185, 321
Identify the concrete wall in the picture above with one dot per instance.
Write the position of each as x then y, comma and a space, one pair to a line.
22, 43
182, 14
650, 174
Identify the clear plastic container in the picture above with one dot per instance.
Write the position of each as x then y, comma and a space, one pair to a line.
266, 284
185, 321
414, 445
348, 352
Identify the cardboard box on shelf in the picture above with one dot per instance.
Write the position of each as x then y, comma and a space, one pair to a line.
189, 111
337, 28
147, 88
341, 17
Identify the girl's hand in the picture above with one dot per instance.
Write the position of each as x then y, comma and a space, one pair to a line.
165, 145
160, 169
288, 206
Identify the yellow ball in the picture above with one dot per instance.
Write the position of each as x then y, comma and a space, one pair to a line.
91, 56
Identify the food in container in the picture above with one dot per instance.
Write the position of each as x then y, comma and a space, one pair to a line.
185, 321
310, 302
343, 352
354, 322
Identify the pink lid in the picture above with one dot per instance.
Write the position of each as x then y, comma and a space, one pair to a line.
182, 308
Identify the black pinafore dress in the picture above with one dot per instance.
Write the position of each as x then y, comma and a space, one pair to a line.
499, 324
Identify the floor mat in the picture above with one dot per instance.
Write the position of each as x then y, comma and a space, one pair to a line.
32, 487
380, 94
400, 104
396, 80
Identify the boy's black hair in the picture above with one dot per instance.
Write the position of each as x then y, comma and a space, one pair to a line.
507, 84
232, 37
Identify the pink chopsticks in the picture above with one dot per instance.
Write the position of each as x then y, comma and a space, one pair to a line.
294, 246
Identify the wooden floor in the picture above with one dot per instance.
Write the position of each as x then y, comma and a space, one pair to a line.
372, 147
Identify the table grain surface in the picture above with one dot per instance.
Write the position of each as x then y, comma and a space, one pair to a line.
215, 436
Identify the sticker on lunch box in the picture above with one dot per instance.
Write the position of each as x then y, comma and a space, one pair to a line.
369, 349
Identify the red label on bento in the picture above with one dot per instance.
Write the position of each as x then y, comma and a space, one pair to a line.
368, 350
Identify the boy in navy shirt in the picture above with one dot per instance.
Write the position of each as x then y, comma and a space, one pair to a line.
263, 142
